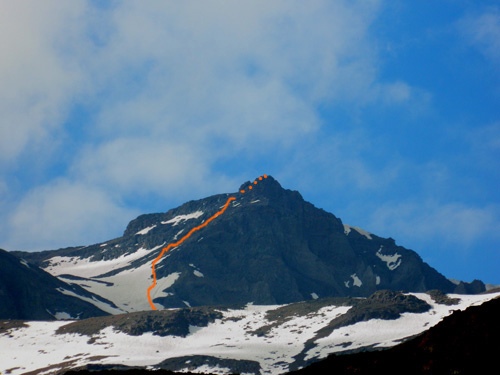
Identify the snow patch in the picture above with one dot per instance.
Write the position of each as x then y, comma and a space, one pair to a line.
146, 230
179, 218
377, 280
356, 281
24, 263
348, 228
63, 316
392, 261
177, 234
314, 296
84, 267
206, 369
163, 284
198, 273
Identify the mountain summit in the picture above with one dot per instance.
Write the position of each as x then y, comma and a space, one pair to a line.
269, 247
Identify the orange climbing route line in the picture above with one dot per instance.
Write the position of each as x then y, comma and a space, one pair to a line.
175, 244
256, 181
185, 237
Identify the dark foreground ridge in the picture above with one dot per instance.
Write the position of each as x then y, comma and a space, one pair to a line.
29, 293
466, 342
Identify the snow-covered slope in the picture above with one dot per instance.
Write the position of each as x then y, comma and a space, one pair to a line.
267, 339
114, 279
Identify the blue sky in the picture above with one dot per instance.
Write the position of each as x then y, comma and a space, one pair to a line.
384, 113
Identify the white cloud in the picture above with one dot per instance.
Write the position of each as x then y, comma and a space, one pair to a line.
486, 138
483, 31
64, 214
174, 88
36, 81
141, 166
348, 163
451, 223
243, 71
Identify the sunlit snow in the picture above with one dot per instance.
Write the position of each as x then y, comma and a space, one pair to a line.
198, 273
126, 289
179, 218
177, 234
63, 316
356, 281
146, 230
36, 346
348, 228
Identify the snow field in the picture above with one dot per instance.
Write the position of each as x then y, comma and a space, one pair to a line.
232, 337
126, 289
85, 268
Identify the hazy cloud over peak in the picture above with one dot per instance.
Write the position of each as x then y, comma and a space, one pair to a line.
118, 108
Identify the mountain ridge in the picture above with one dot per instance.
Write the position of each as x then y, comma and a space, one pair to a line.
29, 293
270, 247
245, 339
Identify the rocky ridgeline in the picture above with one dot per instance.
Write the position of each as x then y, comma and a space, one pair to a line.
269, 247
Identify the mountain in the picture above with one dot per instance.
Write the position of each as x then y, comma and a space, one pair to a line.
251, 339
29, 293
260, 280
268, 247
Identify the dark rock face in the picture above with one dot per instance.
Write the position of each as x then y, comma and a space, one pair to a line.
160, 323
192, 362
269, 247
465, 342
272, 247
385, 304
474, 287
29, 293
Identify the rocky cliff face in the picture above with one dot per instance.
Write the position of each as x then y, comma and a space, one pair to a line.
269, 247
273, 247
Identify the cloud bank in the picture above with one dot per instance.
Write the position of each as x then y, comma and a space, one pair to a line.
151, 98
112, 110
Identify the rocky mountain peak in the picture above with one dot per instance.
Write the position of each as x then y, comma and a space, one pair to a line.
270, 246
266, 190
262, 185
